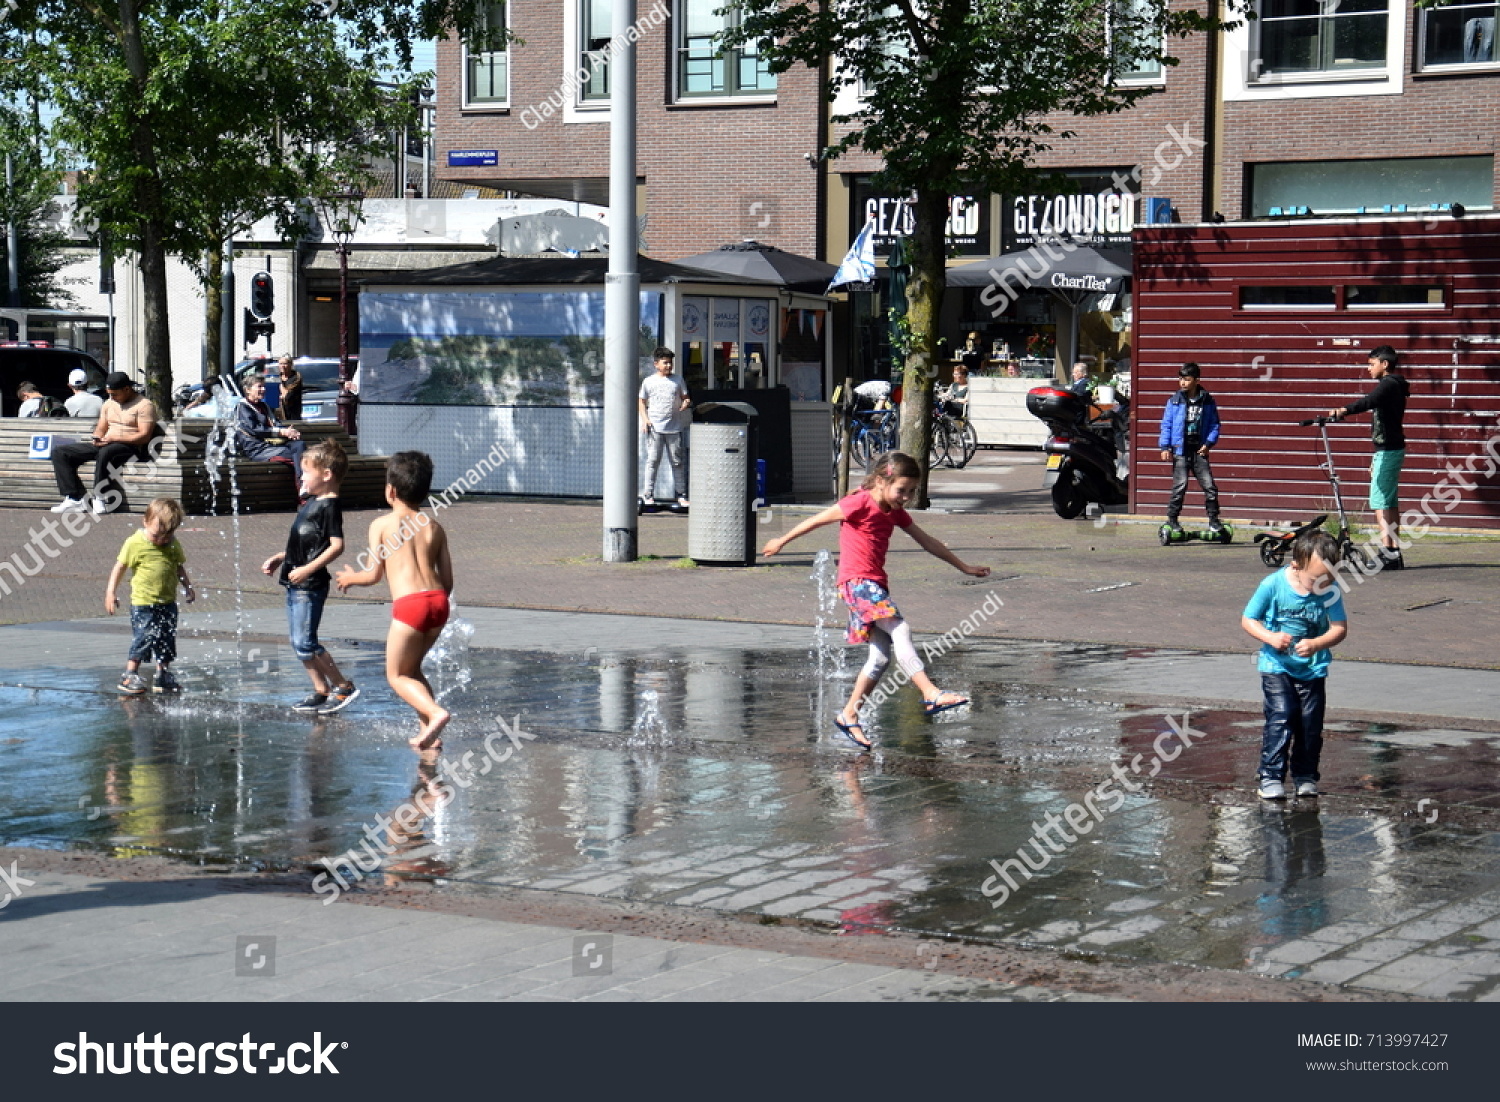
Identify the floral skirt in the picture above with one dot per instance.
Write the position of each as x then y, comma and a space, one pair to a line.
868, 601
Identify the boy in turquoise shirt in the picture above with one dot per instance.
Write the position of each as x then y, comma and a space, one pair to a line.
157, 563
1298, 616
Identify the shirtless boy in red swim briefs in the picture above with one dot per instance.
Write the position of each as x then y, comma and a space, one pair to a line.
410, 550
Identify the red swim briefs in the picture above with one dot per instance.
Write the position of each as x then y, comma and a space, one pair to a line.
423, 611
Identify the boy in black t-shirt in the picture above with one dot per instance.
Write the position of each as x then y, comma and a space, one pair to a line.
316, 539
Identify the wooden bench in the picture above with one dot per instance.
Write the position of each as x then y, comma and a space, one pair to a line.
265, 486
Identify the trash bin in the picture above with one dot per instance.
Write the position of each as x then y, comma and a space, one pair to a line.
721, 484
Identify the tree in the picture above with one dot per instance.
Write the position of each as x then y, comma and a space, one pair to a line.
308, 122
130, 80
31, 203
958, 97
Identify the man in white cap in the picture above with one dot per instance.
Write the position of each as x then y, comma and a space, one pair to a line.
82, 403
125, 426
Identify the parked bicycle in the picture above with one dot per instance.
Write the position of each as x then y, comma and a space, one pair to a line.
954, 440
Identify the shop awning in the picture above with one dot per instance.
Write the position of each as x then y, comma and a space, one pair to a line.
1050, 267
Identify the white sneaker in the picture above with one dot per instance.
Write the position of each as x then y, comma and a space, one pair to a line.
1272, 790
68, 505
97, 507
1307, 788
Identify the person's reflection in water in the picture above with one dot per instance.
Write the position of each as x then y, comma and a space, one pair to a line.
412, 838
1294, 902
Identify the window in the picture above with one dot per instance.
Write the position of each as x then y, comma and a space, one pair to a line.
896, 49
487, 60
1287, 298
1319, 36
705, 70
595, 24
1371, 297
1396, 296
1459, 34
1394, 185
1136, 41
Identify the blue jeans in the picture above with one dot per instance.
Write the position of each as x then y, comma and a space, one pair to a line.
304, 611
155, 628
1294, 723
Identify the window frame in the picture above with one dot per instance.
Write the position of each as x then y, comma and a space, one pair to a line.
1256, 76
1133, 79
731, 59
1341, 307
1420, 46
469, 103
580, 53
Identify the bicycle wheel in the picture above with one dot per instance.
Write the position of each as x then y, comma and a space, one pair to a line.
863, 448
965, 442
940, 451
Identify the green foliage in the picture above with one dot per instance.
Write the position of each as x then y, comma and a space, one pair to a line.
959, 97
962, 95
192, 118
30, 203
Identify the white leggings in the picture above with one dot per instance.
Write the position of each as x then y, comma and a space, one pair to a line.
884, 634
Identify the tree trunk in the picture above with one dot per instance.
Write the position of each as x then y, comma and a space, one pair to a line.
213, 306
148, 205
924, 294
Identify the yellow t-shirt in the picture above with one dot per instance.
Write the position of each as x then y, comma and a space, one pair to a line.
153, 569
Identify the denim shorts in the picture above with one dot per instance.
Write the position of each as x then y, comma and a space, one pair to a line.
155, 628
304, 611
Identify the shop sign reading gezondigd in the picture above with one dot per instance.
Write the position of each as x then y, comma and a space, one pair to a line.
967, 229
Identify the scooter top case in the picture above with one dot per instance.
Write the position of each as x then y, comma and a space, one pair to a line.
1167, 535
1050, 403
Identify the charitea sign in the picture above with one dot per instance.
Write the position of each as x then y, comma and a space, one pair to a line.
1096, 284
1094, 219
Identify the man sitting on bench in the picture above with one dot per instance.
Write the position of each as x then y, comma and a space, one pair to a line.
126, 424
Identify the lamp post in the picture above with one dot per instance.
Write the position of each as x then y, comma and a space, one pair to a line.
342, 213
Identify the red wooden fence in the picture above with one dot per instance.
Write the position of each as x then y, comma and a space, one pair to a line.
1281, 315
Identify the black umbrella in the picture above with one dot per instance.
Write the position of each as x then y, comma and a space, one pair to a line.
752, 260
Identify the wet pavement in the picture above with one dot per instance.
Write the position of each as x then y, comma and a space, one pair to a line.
703, 775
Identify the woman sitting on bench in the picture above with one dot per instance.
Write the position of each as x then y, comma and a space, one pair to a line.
258, 436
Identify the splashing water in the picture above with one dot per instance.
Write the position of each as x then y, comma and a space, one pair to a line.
218, 462
447, 662
827, 651
649, 724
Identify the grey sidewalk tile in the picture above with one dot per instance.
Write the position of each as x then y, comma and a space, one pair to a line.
662, 984
493, 990
1299, 952
1382, 949
1451, 985
1337, 970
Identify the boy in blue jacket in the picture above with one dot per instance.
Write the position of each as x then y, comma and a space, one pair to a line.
1189, 428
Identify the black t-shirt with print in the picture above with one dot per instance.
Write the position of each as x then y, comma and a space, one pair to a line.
318, 522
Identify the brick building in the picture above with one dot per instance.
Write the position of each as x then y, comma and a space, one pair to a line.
726, 151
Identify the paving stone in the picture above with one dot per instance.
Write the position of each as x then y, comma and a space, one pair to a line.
1299, 952
1382, 949
1334, 970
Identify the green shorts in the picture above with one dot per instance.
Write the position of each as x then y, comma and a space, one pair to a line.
1385, 473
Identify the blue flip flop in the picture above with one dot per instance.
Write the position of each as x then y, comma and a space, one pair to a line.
848, 729
932, 707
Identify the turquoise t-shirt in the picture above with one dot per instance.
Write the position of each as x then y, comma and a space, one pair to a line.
1302, 616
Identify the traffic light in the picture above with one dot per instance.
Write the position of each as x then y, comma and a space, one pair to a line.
255, 327
262, 295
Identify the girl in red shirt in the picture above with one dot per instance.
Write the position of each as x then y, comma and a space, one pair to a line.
868, 516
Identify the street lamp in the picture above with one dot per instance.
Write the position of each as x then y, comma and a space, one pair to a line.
341, 214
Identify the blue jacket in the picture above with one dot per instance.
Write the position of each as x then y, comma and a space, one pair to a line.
1174, 422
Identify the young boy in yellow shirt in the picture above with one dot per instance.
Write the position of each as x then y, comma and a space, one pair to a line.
157, 564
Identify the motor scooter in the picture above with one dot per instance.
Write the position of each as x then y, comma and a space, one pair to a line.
1088, 449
